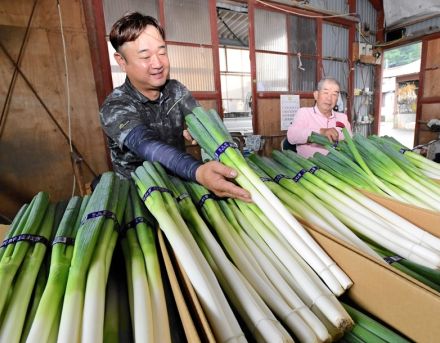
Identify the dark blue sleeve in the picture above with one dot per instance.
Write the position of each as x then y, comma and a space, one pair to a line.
177, 162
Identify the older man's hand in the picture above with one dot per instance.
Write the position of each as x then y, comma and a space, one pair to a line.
331, 133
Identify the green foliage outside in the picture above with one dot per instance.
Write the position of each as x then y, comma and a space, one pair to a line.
402, 55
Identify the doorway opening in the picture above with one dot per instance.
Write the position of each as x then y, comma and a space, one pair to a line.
235, 69
400, 84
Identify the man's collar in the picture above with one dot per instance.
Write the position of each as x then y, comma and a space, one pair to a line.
164, 93
316, 110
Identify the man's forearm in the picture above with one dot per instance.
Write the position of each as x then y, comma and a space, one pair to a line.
178, 162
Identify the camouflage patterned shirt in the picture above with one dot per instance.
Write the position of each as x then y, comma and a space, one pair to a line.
126, 108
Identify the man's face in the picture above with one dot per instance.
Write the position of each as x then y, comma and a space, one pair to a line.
327, 97
145, 61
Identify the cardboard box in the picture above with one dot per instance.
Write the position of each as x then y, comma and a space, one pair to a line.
423, 218
194, 321
402, 302
3, 230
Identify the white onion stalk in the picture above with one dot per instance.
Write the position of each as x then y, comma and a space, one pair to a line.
246, 300
392, 241
317, 292
85, 242
94, 298
249, 267
146, 235
254, 243
143, 319
162, 206
210, 134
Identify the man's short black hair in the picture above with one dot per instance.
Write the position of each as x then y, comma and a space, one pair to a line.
130, 26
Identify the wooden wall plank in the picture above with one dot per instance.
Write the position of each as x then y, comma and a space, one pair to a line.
269, 117
34, 155
428, 112
431, 85
15, 13
433, 53
269, 122
428, 104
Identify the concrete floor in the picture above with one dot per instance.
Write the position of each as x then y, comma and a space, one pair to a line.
404, 136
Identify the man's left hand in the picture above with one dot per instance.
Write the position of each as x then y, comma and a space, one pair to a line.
214, 176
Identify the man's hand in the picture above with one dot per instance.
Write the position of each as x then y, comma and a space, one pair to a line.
188, 137
213, 175
331, 133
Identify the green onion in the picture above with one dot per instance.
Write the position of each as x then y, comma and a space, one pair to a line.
13, 255
248, 265
51, 300
142, 313
380, 332
293, 292
365, 221
14, 318
246, 300
94, 299
85, 242
210, 137
163, 207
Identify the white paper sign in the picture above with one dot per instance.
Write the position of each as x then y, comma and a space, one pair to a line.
289, 106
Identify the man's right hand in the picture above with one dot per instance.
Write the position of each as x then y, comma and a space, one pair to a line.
331, 133
214, 176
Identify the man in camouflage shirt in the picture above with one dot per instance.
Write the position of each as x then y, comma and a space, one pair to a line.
144, 118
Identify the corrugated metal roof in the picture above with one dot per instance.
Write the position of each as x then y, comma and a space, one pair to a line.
232, 27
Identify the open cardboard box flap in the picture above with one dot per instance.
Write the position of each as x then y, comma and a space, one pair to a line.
423, 218
402, 302
3, 230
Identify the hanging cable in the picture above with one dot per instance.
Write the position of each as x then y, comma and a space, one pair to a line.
66, 69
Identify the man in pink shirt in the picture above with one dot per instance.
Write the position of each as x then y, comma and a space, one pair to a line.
320, 118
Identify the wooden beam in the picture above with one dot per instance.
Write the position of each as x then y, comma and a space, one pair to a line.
377, 4
380, 35
251, 18
94, 15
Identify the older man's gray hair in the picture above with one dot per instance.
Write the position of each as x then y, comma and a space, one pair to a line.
327, 79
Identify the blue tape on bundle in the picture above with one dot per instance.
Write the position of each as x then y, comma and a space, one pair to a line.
222, 148
155, 189
27, 237
299, 175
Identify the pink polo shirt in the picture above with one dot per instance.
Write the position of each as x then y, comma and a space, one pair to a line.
308, 120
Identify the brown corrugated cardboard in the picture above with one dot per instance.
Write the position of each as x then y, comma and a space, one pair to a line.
193, 318
3, 230
425, 219
399, 300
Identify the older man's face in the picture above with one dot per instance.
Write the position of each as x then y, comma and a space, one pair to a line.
327, 97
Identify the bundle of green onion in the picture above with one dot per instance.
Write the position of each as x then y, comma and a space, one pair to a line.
212, 136
84, 297
382, 166
268, 283
147, 299
22, 255
425, 165
366, 329
157, 198
337, 207
47, 316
